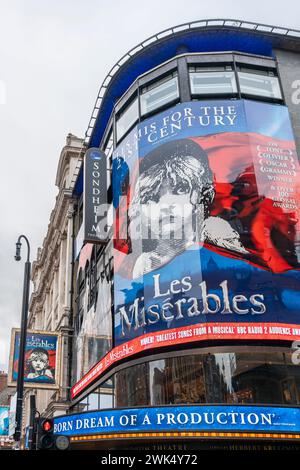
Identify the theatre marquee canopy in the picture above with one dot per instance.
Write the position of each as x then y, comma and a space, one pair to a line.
184, 422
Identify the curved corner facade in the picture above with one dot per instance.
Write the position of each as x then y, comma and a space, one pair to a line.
187, 318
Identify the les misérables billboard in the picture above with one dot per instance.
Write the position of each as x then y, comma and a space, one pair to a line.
42, 359
4, 420
206, 200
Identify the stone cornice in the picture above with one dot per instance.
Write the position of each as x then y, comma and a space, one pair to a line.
68, 152
55, 406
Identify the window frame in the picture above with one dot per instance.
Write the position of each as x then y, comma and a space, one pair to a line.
208, 68
181, 64
256, 71
122, 112
158, 81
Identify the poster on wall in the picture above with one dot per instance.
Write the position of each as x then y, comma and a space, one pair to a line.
207, 234
42, 359
4, 420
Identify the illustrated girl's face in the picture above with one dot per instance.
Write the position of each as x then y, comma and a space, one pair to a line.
169, 208
171, 197
39, 361
166, 212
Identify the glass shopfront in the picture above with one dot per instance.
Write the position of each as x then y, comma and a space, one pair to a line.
238, 376
232, 377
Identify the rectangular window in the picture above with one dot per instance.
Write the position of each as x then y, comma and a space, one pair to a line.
126, 119
108, 147
259, 83
212, 80
159, 93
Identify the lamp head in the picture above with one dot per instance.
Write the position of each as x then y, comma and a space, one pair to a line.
18, 251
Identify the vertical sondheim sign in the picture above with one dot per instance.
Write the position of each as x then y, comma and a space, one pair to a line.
95, 196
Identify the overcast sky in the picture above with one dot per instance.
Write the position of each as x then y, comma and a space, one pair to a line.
54, 54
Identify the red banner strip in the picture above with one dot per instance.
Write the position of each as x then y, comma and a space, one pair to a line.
188, 334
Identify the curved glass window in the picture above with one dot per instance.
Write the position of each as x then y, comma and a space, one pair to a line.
246, 377
231, 76
159, 93
126, 119
99, 399
212, 80
259, 83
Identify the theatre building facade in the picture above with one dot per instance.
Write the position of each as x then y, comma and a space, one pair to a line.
186, 291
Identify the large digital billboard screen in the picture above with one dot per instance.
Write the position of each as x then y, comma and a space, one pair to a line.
206, 202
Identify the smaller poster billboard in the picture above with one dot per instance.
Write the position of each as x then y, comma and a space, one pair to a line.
42, 359
12, 414
4, 420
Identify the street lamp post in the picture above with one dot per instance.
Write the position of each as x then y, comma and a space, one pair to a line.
20, 379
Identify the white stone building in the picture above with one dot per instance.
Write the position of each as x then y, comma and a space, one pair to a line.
50, 307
